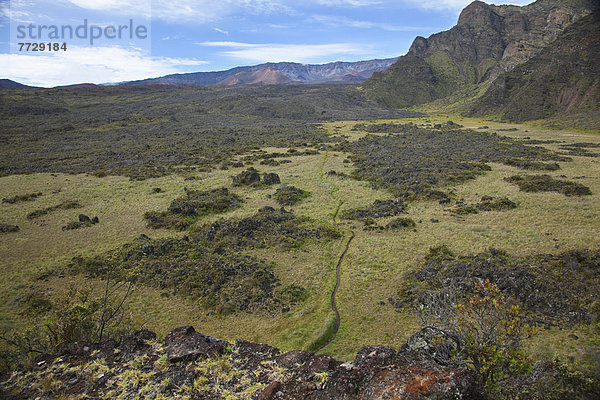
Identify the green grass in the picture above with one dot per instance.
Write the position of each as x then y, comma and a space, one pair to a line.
372, 270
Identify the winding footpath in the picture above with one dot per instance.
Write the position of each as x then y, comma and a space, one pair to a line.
336, 325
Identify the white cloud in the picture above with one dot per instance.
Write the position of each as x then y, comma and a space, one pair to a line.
224, 32
78, 64
353, 3
457, 5
303, 53
337, 22
105, 5
197, 11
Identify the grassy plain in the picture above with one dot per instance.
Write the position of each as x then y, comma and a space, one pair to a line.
372, 271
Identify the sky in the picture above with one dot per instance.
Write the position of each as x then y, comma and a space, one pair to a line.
121, 40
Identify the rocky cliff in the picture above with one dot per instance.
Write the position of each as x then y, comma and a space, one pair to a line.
563, 78
487, 41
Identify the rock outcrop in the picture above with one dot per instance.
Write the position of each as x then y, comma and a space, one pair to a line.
487, 41
564, 78
187, 363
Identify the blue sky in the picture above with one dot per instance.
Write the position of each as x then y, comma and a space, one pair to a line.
200, 35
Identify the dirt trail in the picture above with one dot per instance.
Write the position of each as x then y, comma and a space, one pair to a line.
336, 325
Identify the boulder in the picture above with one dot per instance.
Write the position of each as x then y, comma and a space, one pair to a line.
184, 344
271, 179
246, 177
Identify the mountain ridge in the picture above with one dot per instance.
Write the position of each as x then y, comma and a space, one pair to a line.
486, 42
10, 84
334, 72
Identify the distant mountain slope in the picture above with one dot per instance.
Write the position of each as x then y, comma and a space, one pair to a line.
564, 78
337, 72
266, 76
487, 41
8, 84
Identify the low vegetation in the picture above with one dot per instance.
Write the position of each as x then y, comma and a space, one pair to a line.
210, 264
379, 209
267, 228
487, 203
420, 158
184, 211
545, 183
67, 205
290, 195
151, 131
551, 289
21, 198
224, 282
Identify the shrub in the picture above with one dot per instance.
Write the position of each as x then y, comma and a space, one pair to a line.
379, 209
82, 316
21, 198
401, 223
420, 159
483, 331
223, 281
532, 165
562, 288
290, 195
184, 211
67, 205
545, 183
268, 227
487, 203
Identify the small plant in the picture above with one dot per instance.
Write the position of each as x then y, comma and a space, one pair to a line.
322, 377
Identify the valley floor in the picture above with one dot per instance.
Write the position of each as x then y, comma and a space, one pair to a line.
372, 272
